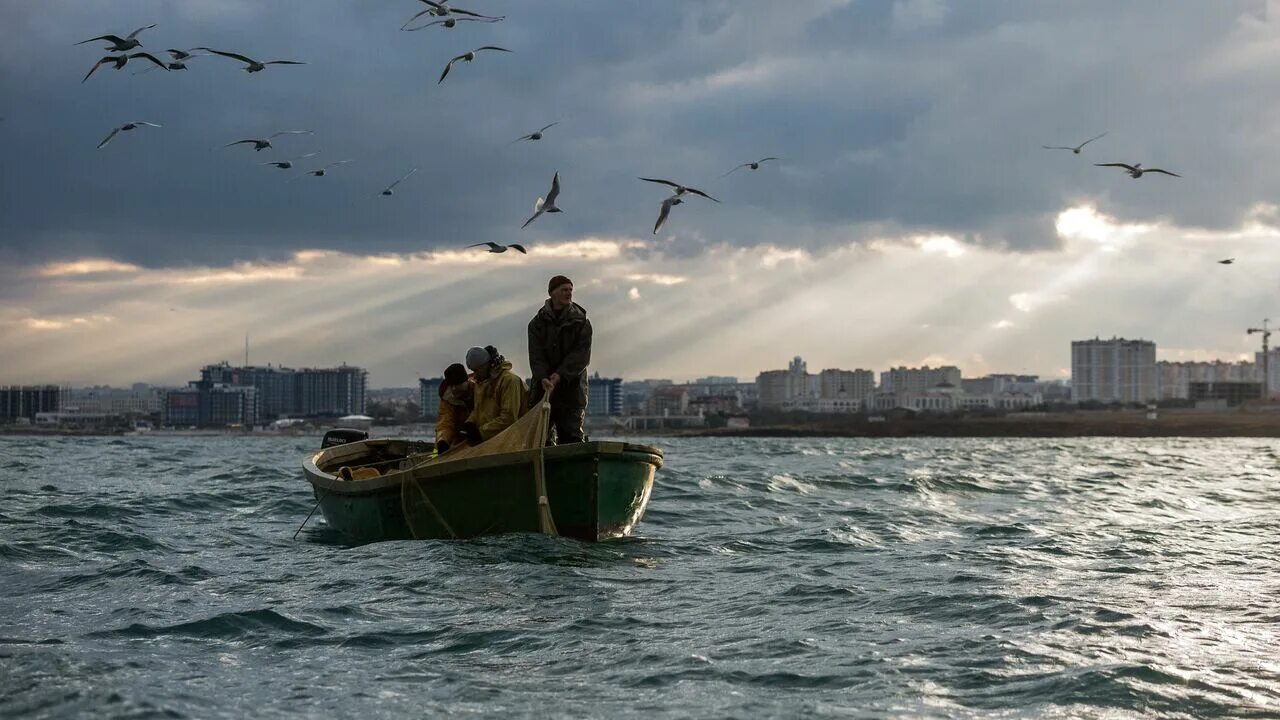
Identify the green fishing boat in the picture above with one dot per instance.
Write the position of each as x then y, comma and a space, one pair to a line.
594, 490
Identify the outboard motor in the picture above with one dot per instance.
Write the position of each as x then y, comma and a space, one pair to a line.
342, 436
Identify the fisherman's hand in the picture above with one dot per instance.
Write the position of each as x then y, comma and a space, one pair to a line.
555, 379
547, 385
471, 433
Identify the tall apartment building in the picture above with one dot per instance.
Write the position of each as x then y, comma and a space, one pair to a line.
429, 398
24, 401
1272, 383
141, 399
909, 381
836, 384
772, 388
284, 392
1115, 370
1173, 379
604, 396
205, 404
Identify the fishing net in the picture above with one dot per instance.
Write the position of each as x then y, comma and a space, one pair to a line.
527, 433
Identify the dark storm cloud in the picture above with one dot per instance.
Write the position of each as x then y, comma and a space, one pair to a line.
909, 116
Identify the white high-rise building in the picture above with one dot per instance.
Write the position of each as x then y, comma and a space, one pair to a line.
846, 384
904, 380
1115, 370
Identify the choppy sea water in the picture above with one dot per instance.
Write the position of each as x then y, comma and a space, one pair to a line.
156, 576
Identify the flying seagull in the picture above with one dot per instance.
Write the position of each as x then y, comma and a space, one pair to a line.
1228, 261
180, 58
536, 135
467, 57
179, 61
120, 44
321, 172
496, 248
1075, 149
124, 128
447, 22
440, 8
547, 205
1136, 170
264, 143
286, 164
666, 210
391, 188
680, 189
753, 165
120, 61
252, 66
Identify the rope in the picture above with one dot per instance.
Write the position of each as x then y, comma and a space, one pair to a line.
546, 523
407, 479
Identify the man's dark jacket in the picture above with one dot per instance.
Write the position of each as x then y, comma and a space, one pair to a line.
560, 343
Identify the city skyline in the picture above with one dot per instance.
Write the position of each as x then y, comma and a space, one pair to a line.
912, 218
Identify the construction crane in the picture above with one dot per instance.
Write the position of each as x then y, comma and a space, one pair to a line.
1266, 356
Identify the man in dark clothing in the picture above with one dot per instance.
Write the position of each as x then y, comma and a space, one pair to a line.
559, 351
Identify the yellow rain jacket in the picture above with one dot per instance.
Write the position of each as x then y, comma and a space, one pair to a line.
500, 400
451, 417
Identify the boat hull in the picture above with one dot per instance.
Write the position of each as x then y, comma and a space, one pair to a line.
596, 491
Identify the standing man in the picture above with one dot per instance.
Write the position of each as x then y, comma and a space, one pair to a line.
559, 351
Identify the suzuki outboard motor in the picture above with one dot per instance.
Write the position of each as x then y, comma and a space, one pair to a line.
342, 436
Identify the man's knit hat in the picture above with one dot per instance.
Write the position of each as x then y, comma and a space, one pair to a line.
556, 282
477, 357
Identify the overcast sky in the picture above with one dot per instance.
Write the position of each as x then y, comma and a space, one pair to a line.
913, 217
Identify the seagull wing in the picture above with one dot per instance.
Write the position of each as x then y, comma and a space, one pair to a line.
699, 193
766, 159
241, 142
468, 13
283, 62
1086, 142
97, 65
447, 68
519, 247
555, 190
148, 124
112, 38
1126, 166
735, 169
107, 139
1165, 172
304, 157
291, 132
490, 47
415, 17
544, 128
233, 56
531, 219
490, 245
150, 57
660, 182
134, 34
335, 164
1056, 147
406, 177
662, 215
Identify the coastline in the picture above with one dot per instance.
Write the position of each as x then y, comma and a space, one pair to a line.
1167, 423
1093, 423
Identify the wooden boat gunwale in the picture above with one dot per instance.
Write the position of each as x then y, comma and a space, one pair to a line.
331, 484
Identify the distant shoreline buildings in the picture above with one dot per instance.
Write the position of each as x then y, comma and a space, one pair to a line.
1109, 372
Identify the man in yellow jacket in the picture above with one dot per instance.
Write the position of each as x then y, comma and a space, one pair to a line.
500, 396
